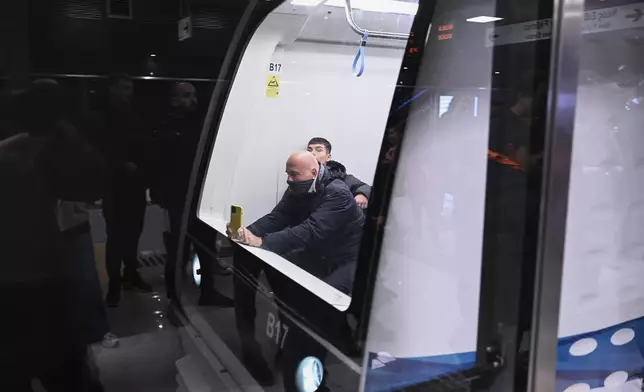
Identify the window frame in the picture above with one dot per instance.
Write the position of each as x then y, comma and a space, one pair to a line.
203, 234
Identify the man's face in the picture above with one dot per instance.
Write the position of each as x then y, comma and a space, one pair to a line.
123, 90
298, 172
186, 97
320, 153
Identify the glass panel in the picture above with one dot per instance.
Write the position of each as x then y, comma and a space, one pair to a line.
295, 89
101, 109
601, 320
456, 267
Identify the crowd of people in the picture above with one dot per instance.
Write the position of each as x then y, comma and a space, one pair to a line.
54, 165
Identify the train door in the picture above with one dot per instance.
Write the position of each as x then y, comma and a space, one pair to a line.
452, 296
598, 323
441, 106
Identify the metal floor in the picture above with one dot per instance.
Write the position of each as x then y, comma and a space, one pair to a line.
145, 359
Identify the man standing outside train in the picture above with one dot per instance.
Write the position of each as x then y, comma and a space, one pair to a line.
178, 136
321, 149
121, 138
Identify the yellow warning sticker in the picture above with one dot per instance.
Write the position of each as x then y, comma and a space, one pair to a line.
273, 86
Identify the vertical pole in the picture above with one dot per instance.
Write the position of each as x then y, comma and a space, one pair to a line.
562, 97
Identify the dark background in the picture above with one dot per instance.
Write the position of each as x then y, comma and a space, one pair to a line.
79, 42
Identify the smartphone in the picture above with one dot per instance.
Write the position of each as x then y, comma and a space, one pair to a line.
236, 219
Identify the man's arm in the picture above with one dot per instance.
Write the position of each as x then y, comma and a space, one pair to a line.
274, 221
330, 216
357, 187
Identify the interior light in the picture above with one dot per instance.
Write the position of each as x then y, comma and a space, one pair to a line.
309, 374
153, 55
385, 6
310, 3
483, 19
196, 266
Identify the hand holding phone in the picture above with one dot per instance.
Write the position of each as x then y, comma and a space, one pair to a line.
236, 221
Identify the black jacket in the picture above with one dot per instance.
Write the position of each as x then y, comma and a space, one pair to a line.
176, 145
120, 136
320, 232
356, 186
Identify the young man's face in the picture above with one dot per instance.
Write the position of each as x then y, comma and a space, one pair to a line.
320, 153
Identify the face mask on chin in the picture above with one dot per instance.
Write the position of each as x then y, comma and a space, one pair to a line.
302, 187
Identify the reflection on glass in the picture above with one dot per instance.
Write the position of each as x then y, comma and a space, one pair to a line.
601, 317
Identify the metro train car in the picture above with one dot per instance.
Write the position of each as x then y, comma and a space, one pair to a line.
498, 251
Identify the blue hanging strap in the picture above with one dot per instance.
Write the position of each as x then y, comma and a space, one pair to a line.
357, 71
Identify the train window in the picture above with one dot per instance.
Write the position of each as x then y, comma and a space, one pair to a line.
601, 309
455, 264
295, 83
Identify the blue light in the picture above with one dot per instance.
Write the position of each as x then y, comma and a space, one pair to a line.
309, 375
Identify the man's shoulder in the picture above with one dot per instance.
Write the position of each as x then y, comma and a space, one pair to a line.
335, 166
338, 188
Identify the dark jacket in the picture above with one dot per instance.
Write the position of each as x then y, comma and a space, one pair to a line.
121, 137
35, 173
35, 274
176, 144
320, 232
356, 186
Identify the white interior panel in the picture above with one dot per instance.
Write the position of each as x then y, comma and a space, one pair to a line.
319, 96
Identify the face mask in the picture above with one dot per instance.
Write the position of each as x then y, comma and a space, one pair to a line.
301, 187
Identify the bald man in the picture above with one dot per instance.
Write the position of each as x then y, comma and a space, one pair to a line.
317, 224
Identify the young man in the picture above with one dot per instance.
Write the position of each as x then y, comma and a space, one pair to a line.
321, 148
122, 140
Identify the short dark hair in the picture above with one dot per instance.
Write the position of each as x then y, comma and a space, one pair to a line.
322, 141
115, 78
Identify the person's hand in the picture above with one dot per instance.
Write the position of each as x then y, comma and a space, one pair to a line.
362, 201
229, 231
245, 237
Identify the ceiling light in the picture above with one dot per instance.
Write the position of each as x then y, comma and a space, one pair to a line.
384, 6
483, 19
153, 55
310, 3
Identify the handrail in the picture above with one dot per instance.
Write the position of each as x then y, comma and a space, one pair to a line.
375, 34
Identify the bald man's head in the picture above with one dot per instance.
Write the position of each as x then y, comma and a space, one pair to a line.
184, 96
302, 169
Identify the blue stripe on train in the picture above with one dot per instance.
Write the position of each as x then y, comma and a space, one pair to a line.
387, 374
